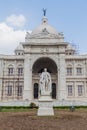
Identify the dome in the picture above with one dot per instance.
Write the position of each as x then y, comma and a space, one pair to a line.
44, 29
19, 48
70, 47
70, 50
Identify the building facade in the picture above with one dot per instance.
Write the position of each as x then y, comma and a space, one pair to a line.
43, 48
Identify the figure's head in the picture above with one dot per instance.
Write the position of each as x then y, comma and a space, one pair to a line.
45, 69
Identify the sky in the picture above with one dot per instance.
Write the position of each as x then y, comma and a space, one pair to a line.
19, 16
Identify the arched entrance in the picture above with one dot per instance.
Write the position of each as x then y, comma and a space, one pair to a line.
38, 68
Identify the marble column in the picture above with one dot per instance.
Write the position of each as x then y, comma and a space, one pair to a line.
62, 78
28, 89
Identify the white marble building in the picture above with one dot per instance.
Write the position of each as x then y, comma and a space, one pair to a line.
43, 48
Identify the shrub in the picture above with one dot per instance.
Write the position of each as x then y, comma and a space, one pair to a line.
32, 105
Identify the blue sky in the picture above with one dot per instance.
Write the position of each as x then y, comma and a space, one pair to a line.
67, 16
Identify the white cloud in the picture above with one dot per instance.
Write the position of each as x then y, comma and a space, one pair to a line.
16, 20
10, 38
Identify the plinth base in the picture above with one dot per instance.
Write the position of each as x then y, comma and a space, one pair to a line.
45, 107
45, 112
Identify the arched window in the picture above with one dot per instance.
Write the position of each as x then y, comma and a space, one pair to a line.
35, 90
19, 90
80, 90
70, 90
20, 70
53, 90
10, 70
9, 90
69, 70
79, 69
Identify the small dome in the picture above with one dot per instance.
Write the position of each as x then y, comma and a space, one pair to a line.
44, 28
70, 50
19, 48
70, 47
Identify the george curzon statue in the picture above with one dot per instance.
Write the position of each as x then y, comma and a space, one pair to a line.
45, 101
45, 83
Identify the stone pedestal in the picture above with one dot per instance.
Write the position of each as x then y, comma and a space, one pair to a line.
45, 106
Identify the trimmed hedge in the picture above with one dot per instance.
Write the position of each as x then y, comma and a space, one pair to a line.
68, 107
32, 105
15, 108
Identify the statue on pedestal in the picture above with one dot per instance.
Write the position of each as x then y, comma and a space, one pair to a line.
45, 101
45, 83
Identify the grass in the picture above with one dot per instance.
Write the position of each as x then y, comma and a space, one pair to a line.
28, 108
15, 109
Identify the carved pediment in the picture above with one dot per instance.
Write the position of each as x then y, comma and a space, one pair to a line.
44, 31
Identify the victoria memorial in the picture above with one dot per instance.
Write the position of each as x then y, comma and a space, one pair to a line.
43, 48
